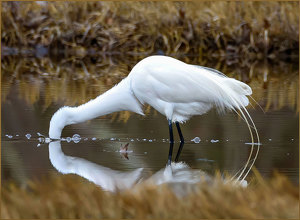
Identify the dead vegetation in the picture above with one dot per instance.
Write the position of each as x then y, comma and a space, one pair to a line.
70, 196
250, 30
246, 31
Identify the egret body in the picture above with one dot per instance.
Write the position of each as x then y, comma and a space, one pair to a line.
175, 89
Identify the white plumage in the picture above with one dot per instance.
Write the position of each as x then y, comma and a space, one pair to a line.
108, 179
174, 88
179, 90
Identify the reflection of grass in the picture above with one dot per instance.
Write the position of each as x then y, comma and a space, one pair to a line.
71, 197
250, 29
76, 82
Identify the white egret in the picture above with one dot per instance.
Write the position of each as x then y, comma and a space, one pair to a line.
175, 89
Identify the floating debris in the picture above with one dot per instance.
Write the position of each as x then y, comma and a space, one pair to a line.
40, 135
196, 140
113, 139
9, 136
150, 140
214, 141
41, 140
124, 151
131, 140
270, 139
93, 139
76, 138
28, 136
85, 139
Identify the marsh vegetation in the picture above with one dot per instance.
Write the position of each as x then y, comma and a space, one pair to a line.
249, 30
66, 53
50, 198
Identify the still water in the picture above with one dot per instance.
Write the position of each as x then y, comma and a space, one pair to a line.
213, 141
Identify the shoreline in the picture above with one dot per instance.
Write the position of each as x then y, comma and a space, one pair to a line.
249, 30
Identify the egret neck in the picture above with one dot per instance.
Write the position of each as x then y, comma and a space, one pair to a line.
119, 98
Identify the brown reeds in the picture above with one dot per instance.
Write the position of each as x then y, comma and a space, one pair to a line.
251, 30
70, 196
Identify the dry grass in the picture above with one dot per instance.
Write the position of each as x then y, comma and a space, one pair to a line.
70, 197
252, 30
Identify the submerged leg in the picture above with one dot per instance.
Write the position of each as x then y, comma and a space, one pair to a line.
181, 141
171, 142
179, 151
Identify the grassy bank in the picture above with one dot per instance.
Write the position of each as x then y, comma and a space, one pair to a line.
71, 197
251, 30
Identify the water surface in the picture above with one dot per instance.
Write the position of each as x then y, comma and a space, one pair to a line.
29, 100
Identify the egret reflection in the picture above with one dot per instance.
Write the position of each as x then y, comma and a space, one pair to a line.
106, 178
179, 176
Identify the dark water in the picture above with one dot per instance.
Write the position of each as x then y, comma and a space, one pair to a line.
28, 103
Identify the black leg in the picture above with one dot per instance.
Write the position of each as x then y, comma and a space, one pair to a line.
181, 141
179, 132
171, 142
